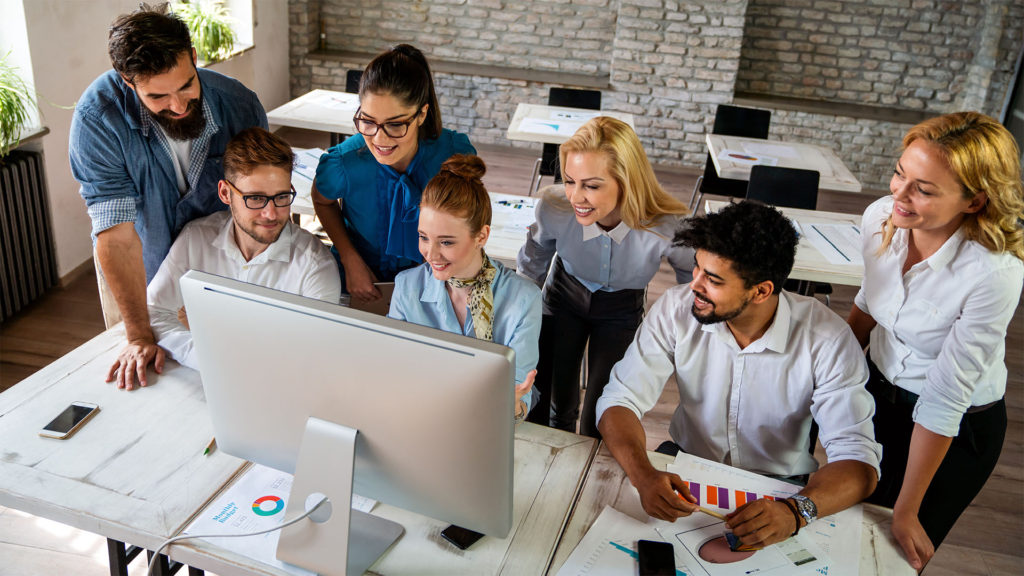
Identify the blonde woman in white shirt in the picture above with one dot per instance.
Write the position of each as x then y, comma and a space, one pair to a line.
943, 272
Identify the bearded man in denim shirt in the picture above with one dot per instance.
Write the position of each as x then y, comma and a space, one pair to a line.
146, 145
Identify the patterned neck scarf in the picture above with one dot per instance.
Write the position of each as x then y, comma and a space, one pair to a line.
481, 298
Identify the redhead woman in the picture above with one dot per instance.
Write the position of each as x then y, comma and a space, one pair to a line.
459, 288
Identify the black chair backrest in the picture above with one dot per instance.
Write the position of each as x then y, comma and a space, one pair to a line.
740, 121
786, 187
570, 98
352, 78
733, 121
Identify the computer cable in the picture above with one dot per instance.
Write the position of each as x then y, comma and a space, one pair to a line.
169, 541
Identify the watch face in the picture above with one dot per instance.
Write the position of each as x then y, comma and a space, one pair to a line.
806, 506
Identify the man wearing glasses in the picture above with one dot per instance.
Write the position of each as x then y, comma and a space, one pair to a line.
254, 241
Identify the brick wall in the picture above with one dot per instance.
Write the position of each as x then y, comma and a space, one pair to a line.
929, 55
560, 35
670, 63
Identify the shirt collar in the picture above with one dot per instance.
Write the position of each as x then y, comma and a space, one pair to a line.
618, 234
280, 250
775, 338
944, 255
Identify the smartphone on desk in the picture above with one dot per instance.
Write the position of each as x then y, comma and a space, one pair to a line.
655, 558
70, 420
461, 537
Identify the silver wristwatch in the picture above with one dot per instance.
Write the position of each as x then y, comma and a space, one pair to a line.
805, 506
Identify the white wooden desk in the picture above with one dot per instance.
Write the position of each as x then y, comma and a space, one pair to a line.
553, 124
550, 466
608, 485
810, 264
323, 110
511, 215
134, 473
733, 156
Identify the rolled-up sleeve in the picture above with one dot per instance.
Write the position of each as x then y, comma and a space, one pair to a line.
967, 351
98, 164
637, 380
841, 405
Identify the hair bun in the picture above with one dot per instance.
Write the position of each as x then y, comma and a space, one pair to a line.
465, 166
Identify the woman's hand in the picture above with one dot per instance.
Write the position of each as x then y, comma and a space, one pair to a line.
523, 388
359, 280
910, 535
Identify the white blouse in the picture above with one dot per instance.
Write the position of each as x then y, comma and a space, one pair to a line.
941, 329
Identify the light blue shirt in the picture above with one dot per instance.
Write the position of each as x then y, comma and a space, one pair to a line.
617, 259
422, 299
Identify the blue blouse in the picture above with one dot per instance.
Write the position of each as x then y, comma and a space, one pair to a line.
422, 299
380, 206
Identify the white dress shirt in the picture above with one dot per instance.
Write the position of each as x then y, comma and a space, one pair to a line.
752, 408
618, 259
297, 262
941, 329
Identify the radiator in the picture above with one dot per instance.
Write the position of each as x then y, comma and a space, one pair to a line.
28, 266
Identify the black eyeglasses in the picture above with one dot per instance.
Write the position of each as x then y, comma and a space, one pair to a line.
393, 128
259, 201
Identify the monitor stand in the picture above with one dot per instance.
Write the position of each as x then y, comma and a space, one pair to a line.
335, 540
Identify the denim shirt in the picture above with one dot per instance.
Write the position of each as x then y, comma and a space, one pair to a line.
124, 166
422, 299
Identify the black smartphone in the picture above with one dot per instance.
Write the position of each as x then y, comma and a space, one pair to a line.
656, 558
69, 421
461, 537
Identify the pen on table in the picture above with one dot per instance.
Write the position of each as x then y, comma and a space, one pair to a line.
210, 447
711, 513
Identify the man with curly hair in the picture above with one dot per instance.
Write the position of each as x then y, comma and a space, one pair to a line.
755, 367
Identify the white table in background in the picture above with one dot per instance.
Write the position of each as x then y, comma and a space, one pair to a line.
323, 110
553, 124
608, 485
733, 156
811, 264
510, 217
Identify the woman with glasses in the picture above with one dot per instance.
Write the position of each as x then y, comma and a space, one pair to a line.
254, 241
379, 173
943, 272
610, 229
459, 288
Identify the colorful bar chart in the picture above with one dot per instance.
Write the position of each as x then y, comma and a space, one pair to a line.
724, 498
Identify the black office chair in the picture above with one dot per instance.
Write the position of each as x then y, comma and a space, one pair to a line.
352, 78
730, 121
547, 164
786, 187
790, 188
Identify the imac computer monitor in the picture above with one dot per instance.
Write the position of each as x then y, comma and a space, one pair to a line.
429, 413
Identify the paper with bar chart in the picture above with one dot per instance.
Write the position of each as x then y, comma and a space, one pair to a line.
829, 547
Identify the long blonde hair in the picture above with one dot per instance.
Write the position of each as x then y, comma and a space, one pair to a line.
643, 199
984, 158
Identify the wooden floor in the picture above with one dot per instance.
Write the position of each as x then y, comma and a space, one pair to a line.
984, 541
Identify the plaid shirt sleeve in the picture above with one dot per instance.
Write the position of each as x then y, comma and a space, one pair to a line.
110, 213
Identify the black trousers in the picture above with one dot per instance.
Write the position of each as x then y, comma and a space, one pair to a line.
572, 316
969, 462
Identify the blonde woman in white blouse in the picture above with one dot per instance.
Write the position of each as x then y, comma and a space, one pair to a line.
943, 272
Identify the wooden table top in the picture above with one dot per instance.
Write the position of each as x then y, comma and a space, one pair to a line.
733, 156
553, 124
324, 110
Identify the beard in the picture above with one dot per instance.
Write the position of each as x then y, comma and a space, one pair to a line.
187, 128
261, 235
714, 317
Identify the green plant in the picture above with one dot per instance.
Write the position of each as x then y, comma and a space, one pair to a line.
210, 28
16, 102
